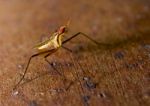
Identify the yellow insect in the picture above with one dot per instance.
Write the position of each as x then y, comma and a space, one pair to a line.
52, 45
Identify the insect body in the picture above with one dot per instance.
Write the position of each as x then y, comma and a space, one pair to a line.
52, 45
54, 42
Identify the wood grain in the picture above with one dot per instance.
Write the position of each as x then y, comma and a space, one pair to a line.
114, 75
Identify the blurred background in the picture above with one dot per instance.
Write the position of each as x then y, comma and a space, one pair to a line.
118, 75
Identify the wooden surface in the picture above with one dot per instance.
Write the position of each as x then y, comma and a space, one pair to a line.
118, 75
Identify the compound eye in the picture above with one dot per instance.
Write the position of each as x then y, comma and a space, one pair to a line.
63, 30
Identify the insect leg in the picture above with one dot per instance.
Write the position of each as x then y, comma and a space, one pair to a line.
67, 49
65, 79
85, 35
51, 63
82, 94
35, 55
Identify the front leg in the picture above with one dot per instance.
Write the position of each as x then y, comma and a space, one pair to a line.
85, 35
80, 33
69, 50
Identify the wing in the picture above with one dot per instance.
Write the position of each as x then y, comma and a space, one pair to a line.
41, 44
47, 44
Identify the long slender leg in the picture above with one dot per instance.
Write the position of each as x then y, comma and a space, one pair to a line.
66, 88
35, 55
67, 49
83, 95
51, 64
83, 35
